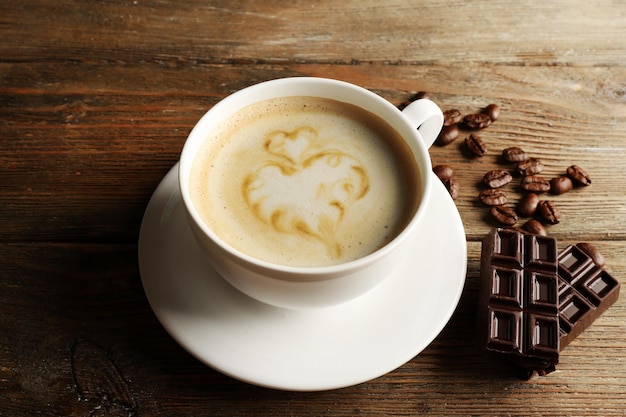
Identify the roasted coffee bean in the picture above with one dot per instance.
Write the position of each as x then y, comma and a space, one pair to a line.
452, 185
492, 197
514, 154
504, 215
535, 227
477, 121
476, 145
579, 175
560, 185
452, 117
530, 166
592, 252
493, 111
447, 135
549, 211
443, 172
535, 184
527, 205
497, 178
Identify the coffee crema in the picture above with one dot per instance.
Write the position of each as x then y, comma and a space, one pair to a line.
305, 181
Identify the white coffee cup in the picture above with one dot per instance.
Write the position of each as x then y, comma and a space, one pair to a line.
300, 287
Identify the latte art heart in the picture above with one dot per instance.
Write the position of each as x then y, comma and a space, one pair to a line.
300, 189
305, 181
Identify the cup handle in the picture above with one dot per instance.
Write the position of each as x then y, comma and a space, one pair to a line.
427, 117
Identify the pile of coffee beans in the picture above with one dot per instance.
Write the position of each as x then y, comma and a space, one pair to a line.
533, 185
537, 210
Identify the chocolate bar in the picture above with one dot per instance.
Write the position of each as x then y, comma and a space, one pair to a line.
519, 310
585, 292
533, 302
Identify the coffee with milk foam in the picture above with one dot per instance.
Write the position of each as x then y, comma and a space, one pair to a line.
305, 181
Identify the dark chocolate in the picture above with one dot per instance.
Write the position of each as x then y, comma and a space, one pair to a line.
585, 292
519, 299
533, 302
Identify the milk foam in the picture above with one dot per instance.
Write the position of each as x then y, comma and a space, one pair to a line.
305, 181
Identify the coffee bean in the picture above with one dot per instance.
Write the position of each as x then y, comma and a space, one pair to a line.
560, 185
451, 117
492, 197
535, 184
592, 252
514, 154
530, 166
579, 175
497, 178
493, 111
535, 227
477, 121
452, 185
527, 205
447, 135
549, 211
444, 172
504, 215
476, 145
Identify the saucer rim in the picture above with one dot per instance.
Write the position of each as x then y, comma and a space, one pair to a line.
166, 203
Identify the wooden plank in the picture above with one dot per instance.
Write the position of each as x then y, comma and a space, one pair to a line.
523, 32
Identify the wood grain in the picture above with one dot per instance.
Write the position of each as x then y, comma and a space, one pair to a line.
97, 98
497, 32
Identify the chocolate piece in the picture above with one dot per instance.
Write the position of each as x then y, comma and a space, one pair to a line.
533, 303
585, 292
518, 313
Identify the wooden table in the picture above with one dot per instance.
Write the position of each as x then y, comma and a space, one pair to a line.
97, 98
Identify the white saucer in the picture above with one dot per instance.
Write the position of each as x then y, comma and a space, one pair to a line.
300, 350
